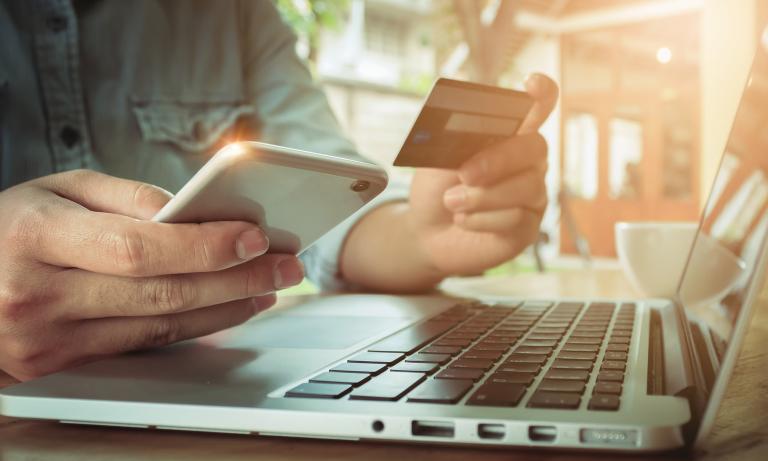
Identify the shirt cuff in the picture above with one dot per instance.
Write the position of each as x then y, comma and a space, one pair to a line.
321, 260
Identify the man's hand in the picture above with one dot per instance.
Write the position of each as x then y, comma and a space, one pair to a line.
84, 274
491, 208
458, 222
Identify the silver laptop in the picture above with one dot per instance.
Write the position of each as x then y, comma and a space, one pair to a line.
626, 374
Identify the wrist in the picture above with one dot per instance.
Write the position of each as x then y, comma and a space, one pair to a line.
418, 235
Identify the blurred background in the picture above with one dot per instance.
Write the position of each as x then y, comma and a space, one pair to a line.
648, 92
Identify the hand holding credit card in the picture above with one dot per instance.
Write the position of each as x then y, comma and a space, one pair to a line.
458, 120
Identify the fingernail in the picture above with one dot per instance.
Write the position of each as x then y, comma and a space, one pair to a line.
262, 303
532, 81
289, 272
250, 244
473, 172
455, 198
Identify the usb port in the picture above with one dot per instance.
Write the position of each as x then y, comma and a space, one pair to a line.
491, 431
542, 433
433, 428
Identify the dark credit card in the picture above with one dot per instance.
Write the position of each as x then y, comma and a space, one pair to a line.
458, 120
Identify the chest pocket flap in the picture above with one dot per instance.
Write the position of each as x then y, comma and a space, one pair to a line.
191, 126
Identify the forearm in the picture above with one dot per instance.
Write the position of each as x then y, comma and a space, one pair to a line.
383, 253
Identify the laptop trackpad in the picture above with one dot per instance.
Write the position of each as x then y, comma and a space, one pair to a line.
319, 332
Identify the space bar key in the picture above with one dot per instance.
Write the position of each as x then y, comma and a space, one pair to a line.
412, 338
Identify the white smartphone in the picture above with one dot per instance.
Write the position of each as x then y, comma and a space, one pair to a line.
295, 196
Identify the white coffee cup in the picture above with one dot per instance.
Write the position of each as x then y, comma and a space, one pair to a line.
653, 256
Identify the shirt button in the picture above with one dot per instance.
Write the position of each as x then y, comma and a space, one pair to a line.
69, 136
56, 23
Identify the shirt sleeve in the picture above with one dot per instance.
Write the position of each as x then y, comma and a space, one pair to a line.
293, 111
321, 260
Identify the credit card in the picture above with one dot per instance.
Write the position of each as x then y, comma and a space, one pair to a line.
458, 120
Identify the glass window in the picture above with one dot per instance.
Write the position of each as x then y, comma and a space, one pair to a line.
580, 156
677, 149
626, 153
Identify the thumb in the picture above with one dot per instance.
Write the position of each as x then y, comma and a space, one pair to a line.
544, 92
101, 192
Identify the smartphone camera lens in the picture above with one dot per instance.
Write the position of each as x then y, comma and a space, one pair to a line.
360, 185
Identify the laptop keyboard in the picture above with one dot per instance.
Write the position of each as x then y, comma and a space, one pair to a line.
484, 355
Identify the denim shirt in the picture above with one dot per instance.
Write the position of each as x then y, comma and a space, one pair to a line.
150, 89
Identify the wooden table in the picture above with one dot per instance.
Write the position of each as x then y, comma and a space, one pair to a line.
741, 431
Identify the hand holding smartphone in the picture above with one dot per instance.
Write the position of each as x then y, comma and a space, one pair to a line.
294, 196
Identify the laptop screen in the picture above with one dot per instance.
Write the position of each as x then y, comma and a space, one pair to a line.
725, 253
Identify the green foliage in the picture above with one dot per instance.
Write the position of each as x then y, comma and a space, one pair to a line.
309, 17
417, 83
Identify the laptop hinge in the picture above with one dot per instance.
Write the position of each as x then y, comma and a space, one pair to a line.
682, 374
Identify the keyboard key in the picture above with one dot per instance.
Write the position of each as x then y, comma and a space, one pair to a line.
341, 378
412, 338
617, 365
587, 334
562, 400
572, 364
526, 358
508, 340
516, 377
579, 375
615, 376
319, 390
414, 367
461, 373
470, 336
450, 350
475, 354
453, 342
611, 355
577, 355
562, 385
482, 364
539, 342
376, 357
546, 330
581, 330
619, 340
604, 402
617, 348
497, 395
517, 329
621, 333
533, 350
370, 368
483, 346
429, 358
559, 326
388, 386
581, 347
527, 367
536, 336
607, 387
441, 391
593, 341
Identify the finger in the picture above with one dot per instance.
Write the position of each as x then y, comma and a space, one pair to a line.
100, 192
109, 296
519, 223
526, 190
69, 236
544, 92
509, 157
115, 335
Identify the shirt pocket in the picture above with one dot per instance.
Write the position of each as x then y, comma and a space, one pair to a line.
193, 127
